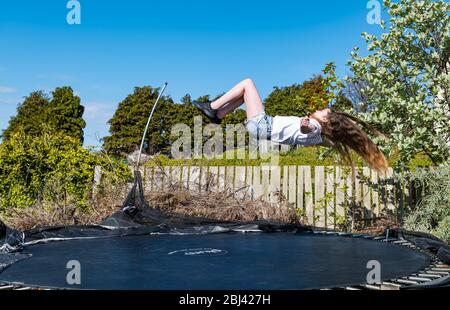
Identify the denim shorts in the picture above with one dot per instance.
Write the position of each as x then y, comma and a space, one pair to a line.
260, 126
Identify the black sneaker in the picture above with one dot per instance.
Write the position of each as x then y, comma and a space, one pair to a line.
209, 112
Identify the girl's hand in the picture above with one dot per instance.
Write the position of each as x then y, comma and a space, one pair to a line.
306, 126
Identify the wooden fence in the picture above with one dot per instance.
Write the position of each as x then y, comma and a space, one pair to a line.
324, 196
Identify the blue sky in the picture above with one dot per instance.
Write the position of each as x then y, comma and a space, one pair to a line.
200, 47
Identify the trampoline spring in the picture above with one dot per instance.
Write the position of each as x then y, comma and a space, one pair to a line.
442, 265
373, 287
420, 279
350, 288
441, 273
6, 287
403, 281
23, 288
441, 269
400, 242
390, 286
407, 243
335, 289
426, 275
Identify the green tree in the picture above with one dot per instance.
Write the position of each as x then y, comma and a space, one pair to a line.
65, 113
333, 92
408, 80
30, 115
61, 112
283, 101
342, 103
187, 100
239, 116
203, 99
301, 100
128, 123
183, 113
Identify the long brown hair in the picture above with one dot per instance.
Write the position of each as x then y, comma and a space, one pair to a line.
343, 132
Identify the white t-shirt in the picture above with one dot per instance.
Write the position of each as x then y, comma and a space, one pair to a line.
286, 130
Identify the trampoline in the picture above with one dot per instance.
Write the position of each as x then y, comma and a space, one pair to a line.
152, 251
144, 248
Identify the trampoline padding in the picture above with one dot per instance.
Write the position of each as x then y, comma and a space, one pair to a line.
279, 261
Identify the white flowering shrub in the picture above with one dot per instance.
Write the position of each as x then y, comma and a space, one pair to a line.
406, 74
432, 213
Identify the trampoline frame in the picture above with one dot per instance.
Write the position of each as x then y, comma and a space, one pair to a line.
433, 275
430, 276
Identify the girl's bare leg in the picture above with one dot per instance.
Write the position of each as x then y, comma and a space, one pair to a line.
229, 107
245, 90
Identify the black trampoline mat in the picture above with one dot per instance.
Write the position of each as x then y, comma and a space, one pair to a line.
236, 261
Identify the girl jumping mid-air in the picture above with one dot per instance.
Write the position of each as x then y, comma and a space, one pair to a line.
325, 127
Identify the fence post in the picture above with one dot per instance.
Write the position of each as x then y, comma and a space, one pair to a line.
341, 185
239, 182
319, 193
213, 176
229, 179
194, 178
375, 194
330, 212
309, 205
257, 185
285, 182
249, 182
366, 195
292, 184
275, 182
97, 180
390, 191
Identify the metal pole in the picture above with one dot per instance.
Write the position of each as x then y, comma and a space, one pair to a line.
148, 124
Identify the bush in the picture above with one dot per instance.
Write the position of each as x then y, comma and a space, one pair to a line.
53, 174
432, 213
443, 229
35, 168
